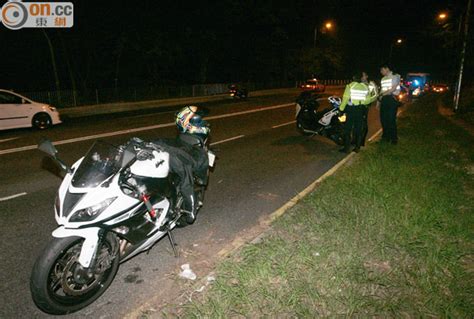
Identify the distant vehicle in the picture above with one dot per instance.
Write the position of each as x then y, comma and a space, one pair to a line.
313, 85
17, 111
403, 95
417, 83
439, 88
238, 93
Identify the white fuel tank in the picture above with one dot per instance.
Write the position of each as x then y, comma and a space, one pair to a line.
156, 167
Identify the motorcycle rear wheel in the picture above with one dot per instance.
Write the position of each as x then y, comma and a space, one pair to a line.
54, 283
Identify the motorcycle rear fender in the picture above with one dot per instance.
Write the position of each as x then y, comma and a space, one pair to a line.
89, 247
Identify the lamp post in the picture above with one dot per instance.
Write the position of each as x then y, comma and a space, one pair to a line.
457, 91
327, 26
399, 41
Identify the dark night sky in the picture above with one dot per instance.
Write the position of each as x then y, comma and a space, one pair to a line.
181, 42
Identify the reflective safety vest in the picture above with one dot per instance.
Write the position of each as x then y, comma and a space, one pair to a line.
359, 93
356, 93
387, 82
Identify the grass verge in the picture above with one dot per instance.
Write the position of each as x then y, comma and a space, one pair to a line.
390, 235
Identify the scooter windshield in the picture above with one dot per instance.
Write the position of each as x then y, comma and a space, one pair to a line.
101, 161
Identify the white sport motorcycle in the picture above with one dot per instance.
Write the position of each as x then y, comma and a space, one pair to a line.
113, 203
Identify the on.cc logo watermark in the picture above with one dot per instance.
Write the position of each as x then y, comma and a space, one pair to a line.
17, 15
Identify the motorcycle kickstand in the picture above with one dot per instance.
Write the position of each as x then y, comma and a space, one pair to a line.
173, 244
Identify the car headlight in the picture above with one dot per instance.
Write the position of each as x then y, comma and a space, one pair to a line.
52, 108
92, 212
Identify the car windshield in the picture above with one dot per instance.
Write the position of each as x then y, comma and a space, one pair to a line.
101, 161
312, 82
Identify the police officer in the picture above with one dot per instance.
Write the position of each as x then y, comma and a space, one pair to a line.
356, 97
388, 104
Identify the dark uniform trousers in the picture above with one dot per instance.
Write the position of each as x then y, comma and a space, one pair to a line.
353, 129
365, 127
388, 118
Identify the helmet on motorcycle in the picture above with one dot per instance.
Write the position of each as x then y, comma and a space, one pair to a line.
189, 120
335, 101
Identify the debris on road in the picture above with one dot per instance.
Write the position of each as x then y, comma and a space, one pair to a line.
187, 272
200, 289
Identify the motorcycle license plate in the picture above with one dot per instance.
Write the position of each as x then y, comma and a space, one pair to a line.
212, 158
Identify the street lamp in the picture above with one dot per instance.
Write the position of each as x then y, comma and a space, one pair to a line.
462, 31
442, 16
398, 41
327, 26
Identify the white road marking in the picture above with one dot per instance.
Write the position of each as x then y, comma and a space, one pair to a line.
140, 129
284, 124
9, 139
227, 140
12, 197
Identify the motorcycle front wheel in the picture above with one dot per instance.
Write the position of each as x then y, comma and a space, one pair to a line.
59, 285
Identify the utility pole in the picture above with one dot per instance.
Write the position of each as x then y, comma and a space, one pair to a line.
53, 63
398, 41
457, 91
315, 36
390, 54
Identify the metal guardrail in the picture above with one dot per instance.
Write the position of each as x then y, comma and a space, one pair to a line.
77, 98
73, 98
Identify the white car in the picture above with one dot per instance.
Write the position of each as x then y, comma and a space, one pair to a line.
18, 111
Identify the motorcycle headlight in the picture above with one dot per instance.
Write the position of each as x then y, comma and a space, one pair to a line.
342, 118
92, 212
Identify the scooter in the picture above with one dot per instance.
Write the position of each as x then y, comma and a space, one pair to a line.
113, 203
328, 122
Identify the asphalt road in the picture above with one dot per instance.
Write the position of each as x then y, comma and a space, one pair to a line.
262, 163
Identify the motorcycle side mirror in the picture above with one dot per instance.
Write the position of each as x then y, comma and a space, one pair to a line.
47, 147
